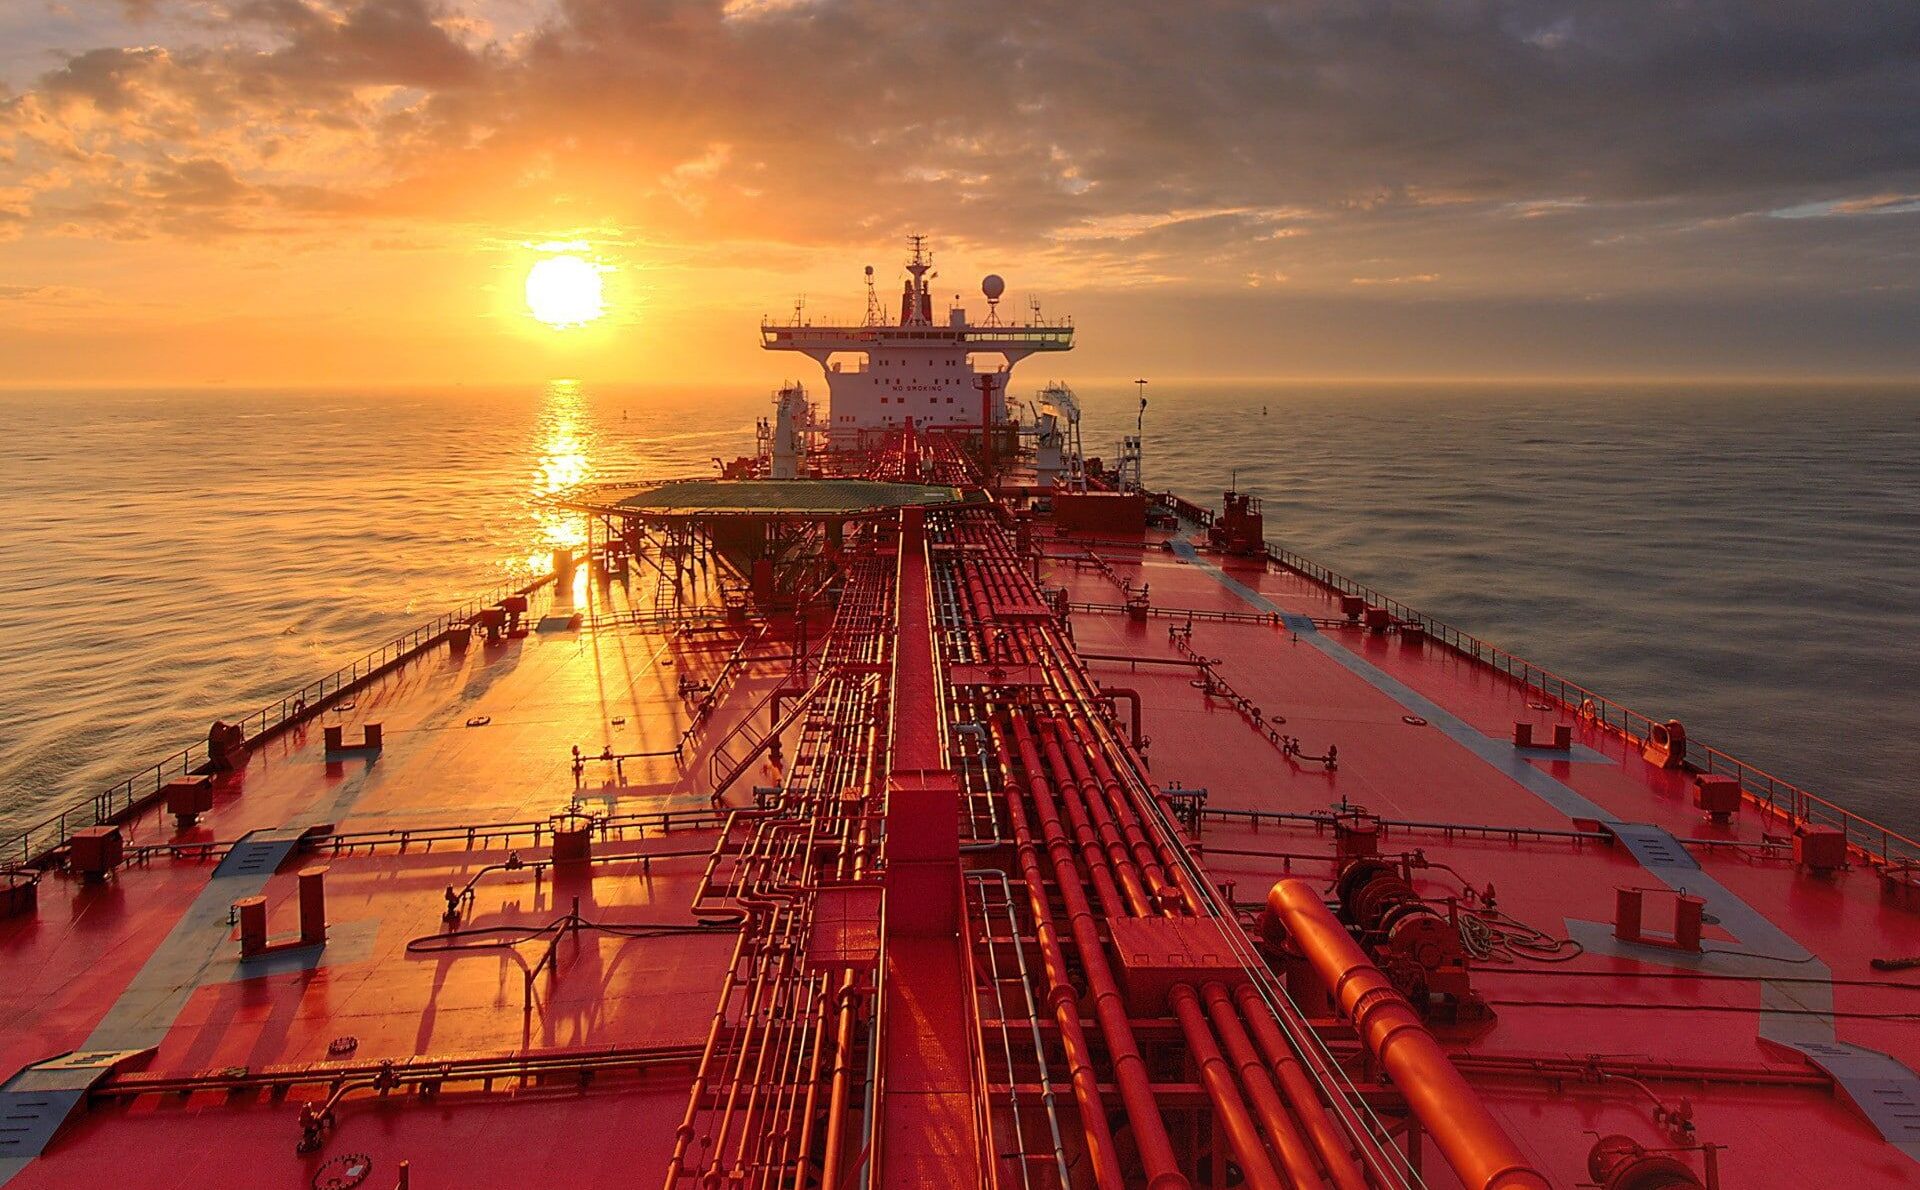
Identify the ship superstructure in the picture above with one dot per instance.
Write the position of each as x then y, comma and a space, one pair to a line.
942, 371
878, 814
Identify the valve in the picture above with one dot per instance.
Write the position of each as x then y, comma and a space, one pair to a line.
314, 1123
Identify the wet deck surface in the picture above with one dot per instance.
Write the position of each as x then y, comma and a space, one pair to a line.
149, 957
1810, 938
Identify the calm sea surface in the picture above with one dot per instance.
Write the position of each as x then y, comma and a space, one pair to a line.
1746, 561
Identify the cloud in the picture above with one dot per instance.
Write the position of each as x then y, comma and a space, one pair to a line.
1527, 144
1871, 204
107, 79
200, 182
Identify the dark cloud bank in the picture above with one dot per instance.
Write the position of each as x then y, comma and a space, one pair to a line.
1756, 162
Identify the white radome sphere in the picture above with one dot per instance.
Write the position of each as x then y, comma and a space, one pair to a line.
993, 285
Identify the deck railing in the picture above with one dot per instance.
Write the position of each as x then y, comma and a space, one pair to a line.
119, 801
1781, 799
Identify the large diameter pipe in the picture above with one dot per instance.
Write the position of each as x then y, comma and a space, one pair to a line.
1472, 1141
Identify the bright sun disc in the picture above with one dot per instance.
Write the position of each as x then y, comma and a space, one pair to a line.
564, 291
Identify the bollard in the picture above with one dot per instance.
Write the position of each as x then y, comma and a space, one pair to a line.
1688, 914
313, 906
253, 925
1626, 914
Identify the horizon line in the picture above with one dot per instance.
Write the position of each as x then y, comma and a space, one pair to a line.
1882, 380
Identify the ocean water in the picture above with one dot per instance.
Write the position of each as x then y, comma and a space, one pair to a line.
1745, 560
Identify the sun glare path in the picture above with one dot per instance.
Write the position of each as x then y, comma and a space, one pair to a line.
564, 291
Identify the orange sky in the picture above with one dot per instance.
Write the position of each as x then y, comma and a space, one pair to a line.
312, 192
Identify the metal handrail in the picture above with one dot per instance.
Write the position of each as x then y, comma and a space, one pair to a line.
1778, 797
34, 843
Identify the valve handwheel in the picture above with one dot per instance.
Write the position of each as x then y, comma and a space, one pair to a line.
343, 1172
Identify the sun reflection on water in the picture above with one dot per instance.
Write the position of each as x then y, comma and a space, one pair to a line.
565, 444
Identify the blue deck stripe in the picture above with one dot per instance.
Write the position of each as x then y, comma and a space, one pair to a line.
1881, 1085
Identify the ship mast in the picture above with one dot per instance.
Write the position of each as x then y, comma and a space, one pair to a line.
916, 301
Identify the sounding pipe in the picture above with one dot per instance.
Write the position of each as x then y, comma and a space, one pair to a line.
1474, 1144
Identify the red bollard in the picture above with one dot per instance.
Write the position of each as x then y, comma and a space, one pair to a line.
253, 925
1626, 914
313, 907
1688, 913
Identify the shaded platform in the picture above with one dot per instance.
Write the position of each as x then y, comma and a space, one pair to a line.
842, 499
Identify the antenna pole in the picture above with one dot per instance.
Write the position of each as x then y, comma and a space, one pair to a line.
986, 425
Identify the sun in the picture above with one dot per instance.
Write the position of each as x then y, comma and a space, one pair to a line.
564, 291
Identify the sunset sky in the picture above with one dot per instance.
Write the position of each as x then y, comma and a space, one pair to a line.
309, 192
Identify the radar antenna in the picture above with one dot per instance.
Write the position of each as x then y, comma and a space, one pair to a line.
993, 286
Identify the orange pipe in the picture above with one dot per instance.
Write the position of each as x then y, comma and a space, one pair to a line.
1114, 814
1109, 1008
1472, 1141
1294, 1154
1090, 815
1328, 1139
1062, 997
1230, 1110
1133, 699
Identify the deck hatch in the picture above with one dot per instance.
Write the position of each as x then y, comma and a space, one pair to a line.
1653, 847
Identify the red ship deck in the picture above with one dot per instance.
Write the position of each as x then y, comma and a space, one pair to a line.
960, 926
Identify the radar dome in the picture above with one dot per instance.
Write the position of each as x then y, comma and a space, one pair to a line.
993, 286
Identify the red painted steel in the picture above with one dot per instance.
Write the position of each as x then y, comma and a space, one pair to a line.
1474, 1143
1101, 1019
1217, 1076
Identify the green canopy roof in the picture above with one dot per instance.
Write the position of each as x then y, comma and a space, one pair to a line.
767, 497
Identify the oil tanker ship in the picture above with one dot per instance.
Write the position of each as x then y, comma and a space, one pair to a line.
920, 801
